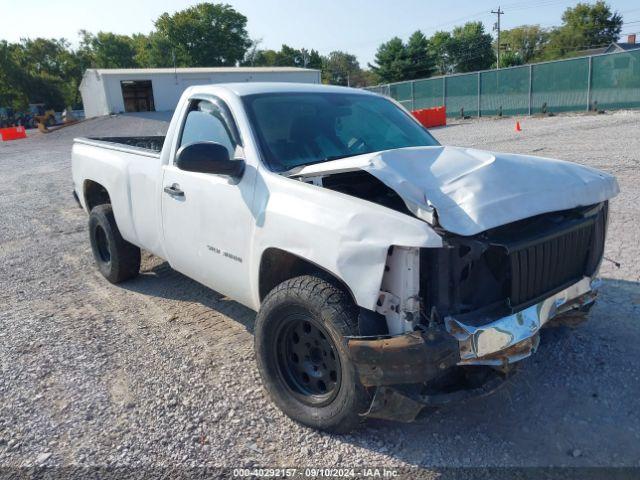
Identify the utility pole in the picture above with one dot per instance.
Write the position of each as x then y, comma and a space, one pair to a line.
497, 27
175, 69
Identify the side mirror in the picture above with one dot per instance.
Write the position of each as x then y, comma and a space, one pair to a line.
208, 157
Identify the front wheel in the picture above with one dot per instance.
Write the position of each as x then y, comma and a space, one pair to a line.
302, 354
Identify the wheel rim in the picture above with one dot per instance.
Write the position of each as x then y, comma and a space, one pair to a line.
308, 360
102, 245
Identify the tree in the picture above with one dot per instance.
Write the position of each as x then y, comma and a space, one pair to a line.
206, 35
264, 58
285, 57
309, 59
251, 56
510, 59
471, 48
440, 45
74, 66
108, 50
584, 26
527, 42
421, 62
293, 57
391, 61
396, 61
342, 68
12, 79
40, 70
367, 78
43, 56
154, 51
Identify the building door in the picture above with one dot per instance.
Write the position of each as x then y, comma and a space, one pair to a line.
137, 96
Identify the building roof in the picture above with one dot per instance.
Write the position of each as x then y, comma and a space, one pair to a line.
622, 47
161, 71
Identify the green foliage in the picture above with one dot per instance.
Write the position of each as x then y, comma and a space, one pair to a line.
108, 50
154, 51
341, 68
527, 42
396, 61
32, 71
466, 49
510, 59
11, 77
206, 35
471, 48
440, 45
584, 26
285, 57
391, 62
419, 56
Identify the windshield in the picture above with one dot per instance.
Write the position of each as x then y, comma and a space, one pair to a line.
297, 129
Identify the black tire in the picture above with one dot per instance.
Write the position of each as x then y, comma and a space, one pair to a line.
117, 259
330, 397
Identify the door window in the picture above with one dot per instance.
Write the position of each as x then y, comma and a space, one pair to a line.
205, 123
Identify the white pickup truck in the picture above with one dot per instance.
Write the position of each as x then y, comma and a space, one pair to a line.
388, 272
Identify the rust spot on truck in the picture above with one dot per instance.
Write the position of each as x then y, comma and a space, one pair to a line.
414, 357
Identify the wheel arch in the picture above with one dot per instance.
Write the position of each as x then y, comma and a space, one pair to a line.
277, 266
94, 194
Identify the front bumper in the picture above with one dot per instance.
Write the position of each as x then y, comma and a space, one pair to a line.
395, 365
514, 337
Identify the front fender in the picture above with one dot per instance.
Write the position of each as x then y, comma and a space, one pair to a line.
344, 235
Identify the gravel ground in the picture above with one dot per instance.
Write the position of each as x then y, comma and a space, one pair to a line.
159, 371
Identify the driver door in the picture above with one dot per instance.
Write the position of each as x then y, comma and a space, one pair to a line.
206, 217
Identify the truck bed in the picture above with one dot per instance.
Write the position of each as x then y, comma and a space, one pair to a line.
149, 145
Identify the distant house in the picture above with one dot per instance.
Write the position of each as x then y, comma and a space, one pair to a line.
616, 47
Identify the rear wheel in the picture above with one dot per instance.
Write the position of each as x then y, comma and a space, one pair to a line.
302, 354
117, 259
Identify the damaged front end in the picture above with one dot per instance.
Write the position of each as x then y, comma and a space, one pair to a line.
482, 302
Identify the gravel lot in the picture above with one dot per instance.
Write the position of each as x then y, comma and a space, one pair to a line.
159, 371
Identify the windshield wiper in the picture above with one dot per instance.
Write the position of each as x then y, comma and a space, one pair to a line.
338, 157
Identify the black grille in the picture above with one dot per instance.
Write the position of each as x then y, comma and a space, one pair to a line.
509, 268
542, 267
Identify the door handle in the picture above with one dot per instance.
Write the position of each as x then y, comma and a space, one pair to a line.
174, 190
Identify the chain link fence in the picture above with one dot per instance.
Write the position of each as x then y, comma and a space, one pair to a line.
607, 81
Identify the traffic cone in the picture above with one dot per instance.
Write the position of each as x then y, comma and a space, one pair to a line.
518, 128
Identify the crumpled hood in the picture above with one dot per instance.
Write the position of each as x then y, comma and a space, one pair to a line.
473, 190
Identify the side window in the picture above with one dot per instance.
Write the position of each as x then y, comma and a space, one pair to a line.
205, 123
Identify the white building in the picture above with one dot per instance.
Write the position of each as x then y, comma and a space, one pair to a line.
106, 91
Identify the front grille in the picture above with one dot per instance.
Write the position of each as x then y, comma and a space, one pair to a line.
541, 267
511, 267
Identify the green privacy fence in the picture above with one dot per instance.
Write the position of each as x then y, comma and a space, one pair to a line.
609, 81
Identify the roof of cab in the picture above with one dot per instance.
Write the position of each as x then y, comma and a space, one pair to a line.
251, 88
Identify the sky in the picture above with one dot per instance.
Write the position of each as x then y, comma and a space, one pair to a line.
355, 26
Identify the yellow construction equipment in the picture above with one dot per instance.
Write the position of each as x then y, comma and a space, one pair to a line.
43, 118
